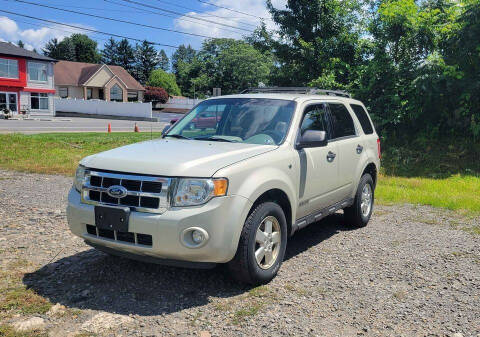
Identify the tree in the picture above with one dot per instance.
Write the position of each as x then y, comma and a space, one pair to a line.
147, 61
183, 54
160, 78
318, 41
110, 52
20, 44
77, 47
126, 56
163, 61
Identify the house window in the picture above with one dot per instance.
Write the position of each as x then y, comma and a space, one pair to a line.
8, 101
37, 71
38, 101
116, 93
133, 96
89, 93
8, 68
63, 92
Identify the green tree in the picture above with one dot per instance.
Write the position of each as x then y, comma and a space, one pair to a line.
126, 56
147, 61
162, 79
77, 47
110, 52
20, 44
163, 61
318, 41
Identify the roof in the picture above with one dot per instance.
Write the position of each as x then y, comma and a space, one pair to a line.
292, 97
78, 73
9, 49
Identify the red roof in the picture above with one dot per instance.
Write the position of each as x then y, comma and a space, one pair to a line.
78, 73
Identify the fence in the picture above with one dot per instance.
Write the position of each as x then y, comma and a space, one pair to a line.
179, 103
99, 107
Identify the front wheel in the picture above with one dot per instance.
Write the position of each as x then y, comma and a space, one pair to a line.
360, 212
262, 245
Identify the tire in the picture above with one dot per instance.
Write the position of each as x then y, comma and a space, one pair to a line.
244, 266
354, 215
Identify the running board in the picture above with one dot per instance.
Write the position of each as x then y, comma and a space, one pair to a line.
318, 215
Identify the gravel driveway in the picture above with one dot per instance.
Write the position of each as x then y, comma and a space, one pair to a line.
413, 271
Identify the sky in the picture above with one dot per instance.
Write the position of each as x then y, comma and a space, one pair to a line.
229, 18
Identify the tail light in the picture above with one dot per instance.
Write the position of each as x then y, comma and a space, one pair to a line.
379, 148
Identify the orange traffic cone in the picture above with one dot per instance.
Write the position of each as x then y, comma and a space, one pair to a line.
109, 129
135, 129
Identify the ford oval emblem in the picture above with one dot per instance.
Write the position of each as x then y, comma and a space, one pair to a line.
117, 191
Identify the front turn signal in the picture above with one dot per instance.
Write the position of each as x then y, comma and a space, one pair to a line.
220, 187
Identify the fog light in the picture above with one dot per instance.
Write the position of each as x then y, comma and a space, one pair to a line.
197, 237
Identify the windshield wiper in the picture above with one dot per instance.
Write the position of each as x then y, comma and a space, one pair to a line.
216, 139
177, 136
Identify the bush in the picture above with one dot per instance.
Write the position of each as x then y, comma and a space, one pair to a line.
155, 94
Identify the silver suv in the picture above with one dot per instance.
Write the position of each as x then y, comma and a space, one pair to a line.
231, 181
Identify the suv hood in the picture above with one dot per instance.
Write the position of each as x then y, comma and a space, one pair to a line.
174, 157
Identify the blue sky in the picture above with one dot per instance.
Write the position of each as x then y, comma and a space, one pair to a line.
35, 33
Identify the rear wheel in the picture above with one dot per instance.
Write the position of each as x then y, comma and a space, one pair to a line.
360, 212
262, 245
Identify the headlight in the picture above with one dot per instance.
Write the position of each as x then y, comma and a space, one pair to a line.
79, 177
192, 192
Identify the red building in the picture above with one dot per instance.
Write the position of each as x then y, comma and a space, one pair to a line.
26, 81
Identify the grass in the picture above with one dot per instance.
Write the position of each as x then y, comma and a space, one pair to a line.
15, 297
58, 152
8, 331
458, 192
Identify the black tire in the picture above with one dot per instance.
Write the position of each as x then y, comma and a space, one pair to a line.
354, 216
244, 266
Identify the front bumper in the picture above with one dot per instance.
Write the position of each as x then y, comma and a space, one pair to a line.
222, 218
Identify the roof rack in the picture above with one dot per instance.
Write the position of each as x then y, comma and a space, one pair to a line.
296, 90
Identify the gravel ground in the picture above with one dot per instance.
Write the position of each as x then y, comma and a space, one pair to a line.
413, 271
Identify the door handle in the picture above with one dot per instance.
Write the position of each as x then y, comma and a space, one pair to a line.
359, 148
330, 156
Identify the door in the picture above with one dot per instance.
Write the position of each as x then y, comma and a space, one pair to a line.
349, 147
8, 100
318, 166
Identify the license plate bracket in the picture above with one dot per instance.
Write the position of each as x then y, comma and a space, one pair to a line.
112, 218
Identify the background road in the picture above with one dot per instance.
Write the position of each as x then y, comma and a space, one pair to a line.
71, 124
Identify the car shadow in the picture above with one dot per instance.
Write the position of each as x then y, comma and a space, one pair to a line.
93, 280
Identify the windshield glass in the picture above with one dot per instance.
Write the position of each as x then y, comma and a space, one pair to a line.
245, 120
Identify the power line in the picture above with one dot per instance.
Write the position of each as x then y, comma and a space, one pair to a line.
89, 29
204, 14
232, 10
171, 16
185, 15
112, 19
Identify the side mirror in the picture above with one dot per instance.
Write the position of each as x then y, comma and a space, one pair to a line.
312, 138
165, 129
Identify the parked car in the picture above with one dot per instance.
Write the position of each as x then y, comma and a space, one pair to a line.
232, 193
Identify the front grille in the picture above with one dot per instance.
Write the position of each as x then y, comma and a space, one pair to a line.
144, 193
135, 238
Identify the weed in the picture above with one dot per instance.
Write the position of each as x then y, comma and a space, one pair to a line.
8, 331
246, 312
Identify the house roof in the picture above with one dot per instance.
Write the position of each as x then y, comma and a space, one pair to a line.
78, 73
9, 49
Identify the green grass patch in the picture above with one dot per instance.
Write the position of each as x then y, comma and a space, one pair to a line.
59, 153
249, 311
459, 193
8, 331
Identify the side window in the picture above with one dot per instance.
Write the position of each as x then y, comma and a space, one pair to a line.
362, 118
342, 121
315, 118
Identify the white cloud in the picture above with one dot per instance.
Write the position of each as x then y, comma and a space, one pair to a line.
253, 7
34, 37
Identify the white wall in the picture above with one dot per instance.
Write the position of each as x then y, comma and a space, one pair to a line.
99, 107
49, 84
25, 103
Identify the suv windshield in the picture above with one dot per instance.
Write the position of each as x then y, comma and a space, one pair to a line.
245, 120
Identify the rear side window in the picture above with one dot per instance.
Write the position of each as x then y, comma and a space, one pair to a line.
362, 118
342, 121
315, 119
